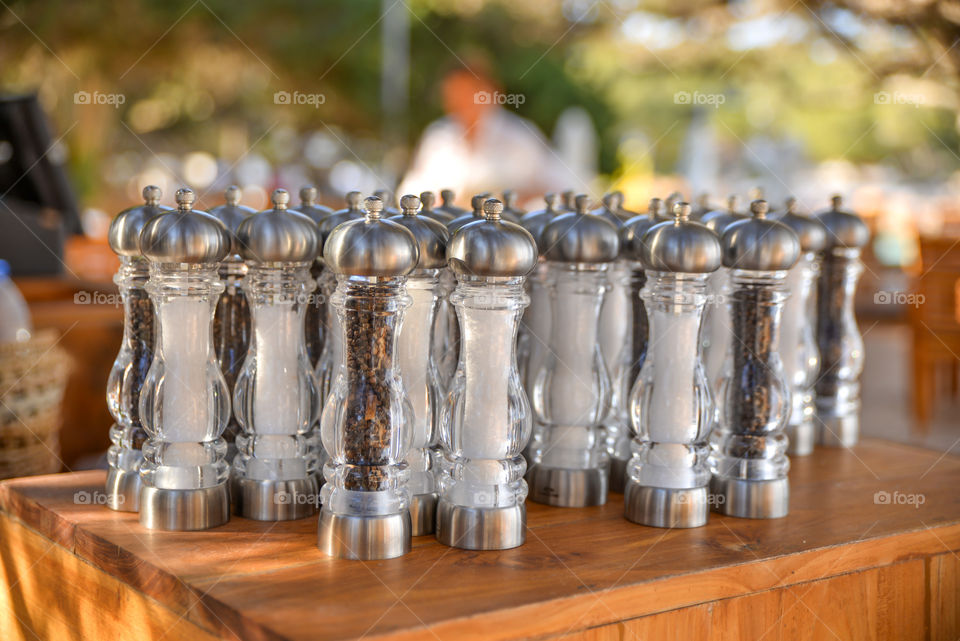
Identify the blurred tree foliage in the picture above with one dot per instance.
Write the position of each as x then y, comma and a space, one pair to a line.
201, 74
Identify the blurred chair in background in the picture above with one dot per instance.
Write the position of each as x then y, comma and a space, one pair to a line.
935, 325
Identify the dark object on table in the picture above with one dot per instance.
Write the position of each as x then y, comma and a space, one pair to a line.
38, 207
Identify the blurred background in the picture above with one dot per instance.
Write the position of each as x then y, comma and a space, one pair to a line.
788, 97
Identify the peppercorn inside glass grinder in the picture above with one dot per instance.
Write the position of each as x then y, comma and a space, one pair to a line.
749, 447
367, 418
670, 405
130, 368
275, 400
231, 320
716, 317
486, 419
798, 343
330, 353
839, 339
417, 365
184, 404
571, 396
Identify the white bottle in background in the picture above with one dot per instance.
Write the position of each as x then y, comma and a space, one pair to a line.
15, 322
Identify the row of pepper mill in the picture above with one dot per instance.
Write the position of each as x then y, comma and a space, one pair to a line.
383, 408
739, 396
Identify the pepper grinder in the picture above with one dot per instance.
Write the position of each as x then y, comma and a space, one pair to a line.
447, 206
511, 211
184, 403
798, 344
231, 321
614, 317
331, 351
838, 337
275, 400
389, 204
716, 316
534, 332
446, 336
571, 396
486, 419
317, 309
670, 405
417, 365
470, 217
428, 199
626, 368
748, 458
366, 424
136, 353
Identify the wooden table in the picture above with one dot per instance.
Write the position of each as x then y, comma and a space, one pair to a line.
845, 564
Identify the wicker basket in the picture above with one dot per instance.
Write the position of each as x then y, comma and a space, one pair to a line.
33, 376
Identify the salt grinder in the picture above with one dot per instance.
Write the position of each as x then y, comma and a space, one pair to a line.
427, 200
534, 332
838, 337
184, 403
614, 324
417, 365
367, 419
231, 320
798, 343
389, 204
126, 380
275, 401
571, 395
486, 419
472, 216
511, 211
625, 370
749, 447
670, 405
446, 336
314, 329
447, 206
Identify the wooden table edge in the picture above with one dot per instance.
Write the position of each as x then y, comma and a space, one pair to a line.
592, 609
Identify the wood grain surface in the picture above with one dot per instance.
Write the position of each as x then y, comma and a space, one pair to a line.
847, 563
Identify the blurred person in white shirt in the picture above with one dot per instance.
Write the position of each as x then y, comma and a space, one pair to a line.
482, 145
